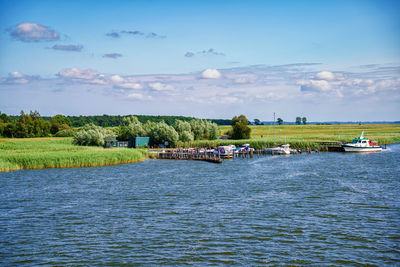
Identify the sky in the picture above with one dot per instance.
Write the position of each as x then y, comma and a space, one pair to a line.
324, 60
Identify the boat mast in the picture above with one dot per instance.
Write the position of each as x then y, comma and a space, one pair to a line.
274, 128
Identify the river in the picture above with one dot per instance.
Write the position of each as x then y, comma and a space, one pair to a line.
320, 209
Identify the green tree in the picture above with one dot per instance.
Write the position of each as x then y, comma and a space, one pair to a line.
240, 128
130, 128
256, 121
92, 135
58, 123
161, 132
304, 119
279, 121
298, 120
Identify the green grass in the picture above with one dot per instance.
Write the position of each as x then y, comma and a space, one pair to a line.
37, 153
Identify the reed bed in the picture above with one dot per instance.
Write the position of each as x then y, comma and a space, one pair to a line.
38, 153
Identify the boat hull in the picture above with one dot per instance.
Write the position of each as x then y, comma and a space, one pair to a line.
348, 148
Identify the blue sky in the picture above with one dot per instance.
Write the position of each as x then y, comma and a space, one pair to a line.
326, 60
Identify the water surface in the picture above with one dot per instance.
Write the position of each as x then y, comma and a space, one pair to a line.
322, 209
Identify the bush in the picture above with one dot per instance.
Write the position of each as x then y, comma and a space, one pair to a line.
91, 135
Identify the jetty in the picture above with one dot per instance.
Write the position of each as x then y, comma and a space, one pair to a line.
190, 154
214, 155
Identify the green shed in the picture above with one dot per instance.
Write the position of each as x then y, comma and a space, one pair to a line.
140, 141
110, 141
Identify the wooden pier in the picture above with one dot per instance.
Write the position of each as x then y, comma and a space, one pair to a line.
190, 154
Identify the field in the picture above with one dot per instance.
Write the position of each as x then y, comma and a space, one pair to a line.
306, 136
38, 153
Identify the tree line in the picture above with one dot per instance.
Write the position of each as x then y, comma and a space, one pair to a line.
116, 120
33, 125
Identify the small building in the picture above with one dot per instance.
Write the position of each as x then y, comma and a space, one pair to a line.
110, 141
139, 142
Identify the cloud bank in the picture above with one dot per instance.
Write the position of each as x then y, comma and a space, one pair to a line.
248, 89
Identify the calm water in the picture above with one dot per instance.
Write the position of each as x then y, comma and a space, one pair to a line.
322, 209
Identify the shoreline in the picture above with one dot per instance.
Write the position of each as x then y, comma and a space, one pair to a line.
75, 166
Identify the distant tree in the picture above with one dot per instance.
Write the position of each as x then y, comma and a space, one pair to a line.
298, 120
256, 121
58, 123
240, 128
304, 119
279, 121
4, 118
31, 125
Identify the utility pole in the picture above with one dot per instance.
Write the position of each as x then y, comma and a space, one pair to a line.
274, 128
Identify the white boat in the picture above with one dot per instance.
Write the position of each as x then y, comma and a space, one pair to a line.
280, 150
244, 148
362, 144
225, 151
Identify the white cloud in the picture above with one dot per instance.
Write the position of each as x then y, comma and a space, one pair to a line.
117, 79
33, 32
75, 73
128, 85
16, 74
160, 86
325, 75
211, 74
314, 85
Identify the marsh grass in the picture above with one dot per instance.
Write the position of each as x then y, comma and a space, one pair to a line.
37, 153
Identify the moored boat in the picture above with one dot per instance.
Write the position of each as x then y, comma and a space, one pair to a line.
362, 144
282, 150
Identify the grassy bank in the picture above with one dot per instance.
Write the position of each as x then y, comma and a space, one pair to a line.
38, 153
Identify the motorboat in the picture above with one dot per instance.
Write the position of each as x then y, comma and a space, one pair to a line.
280, 150
362, 144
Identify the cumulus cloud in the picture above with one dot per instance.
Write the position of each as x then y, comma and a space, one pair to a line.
112, 55
69, 48
33, 32
314, 86
211, 74
160, 86
208, 52
83, 75
17, 78
329, 76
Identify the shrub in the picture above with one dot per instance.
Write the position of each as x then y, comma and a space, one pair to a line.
91, 135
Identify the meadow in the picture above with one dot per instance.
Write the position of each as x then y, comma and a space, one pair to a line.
38, 153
